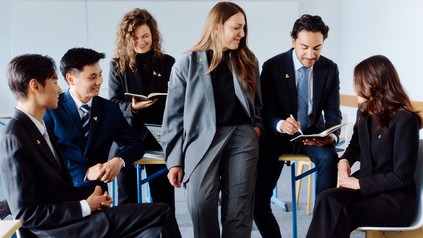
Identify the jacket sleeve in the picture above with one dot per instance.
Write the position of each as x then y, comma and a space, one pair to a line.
173, 125
117, 90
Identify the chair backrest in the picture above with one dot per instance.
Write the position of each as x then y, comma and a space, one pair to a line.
418, 177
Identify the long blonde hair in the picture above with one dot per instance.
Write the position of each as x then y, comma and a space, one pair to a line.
125, 55
242, 60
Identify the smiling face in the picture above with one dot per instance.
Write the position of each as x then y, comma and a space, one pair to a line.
231, 32
86, 84
308, 47
142, 39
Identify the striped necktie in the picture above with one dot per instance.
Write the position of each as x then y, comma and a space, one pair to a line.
85, 119
303, 97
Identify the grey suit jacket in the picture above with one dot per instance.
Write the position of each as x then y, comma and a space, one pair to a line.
189, 122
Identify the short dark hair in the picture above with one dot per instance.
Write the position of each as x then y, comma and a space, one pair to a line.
309, 23
77, 58
23, 68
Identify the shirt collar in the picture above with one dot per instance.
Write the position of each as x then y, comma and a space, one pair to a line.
40, 126
79, 103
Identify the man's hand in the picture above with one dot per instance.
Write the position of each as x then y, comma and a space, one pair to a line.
324, 141
175, 175
290, 126
95, 172
98, 201
111, 169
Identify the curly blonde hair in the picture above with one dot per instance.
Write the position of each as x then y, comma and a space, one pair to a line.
125, 55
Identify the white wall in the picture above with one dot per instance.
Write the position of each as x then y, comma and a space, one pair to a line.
358, 29
52, 27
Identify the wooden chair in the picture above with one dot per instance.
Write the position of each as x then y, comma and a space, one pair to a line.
415, 230
9, 227
150, 157
292, 159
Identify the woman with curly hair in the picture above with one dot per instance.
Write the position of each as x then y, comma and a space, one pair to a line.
385, 141
139, 66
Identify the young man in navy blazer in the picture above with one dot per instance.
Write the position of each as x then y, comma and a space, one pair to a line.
37, 182
280, 80
87, 155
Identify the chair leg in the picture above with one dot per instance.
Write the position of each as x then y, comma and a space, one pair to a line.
300, 170
298, 182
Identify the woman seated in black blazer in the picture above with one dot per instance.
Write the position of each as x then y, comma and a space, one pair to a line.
385, 141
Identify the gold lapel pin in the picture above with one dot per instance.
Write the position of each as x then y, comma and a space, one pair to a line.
95, 118
379, 136
38, 142
159, 75
154, 73
286, 76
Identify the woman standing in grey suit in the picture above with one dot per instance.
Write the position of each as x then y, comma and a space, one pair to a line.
212, 124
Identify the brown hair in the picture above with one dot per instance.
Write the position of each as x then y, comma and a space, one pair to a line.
377, 81
242, 60
125, 55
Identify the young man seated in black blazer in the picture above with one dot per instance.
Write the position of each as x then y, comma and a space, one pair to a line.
36, 179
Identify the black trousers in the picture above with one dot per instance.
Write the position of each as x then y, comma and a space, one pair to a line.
339, 211
147, 220
160, 188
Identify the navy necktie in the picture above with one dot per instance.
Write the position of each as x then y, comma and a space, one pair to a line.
303, 97
85, 119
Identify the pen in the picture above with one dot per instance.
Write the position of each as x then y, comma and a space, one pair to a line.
299, 129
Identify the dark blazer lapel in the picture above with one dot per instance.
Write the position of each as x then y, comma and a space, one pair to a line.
364, 132
205, 79
63, 166
319, 82
37, 138
288, 74
70, 107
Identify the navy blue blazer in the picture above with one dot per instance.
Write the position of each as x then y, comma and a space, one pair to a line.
107, 125
280, 98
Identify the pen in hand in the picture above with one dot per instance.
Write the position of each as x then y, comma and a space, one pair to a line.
299, 129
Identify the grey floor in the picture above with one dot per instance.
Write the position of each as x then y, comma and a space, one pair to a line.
283, 217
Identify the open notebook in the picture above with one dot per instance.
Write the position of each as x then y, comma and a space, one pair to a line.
156, 131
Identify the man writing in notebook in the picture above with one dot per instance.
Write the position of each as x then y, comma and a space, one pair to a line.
37, 182
300, 91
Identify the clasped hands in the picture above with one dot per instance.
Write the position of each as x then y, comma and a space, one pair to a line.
105, 172
99, 201
290, 126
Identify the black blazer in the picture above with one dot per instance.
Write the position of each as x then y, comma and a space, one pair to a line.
132, 82
280, 98
388, 160
40, 191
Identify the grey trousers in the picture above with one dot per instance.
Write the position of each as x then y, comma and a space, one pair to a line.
228, 167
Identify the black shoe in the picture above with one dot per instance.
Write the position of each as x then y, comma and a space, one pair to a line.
4, 209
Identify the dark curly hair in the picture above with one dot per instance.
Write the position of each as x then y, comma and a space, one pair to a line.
309, 23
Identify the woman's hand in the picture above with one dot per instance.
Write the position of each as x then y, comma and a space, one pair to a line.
138, 104
175, 175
